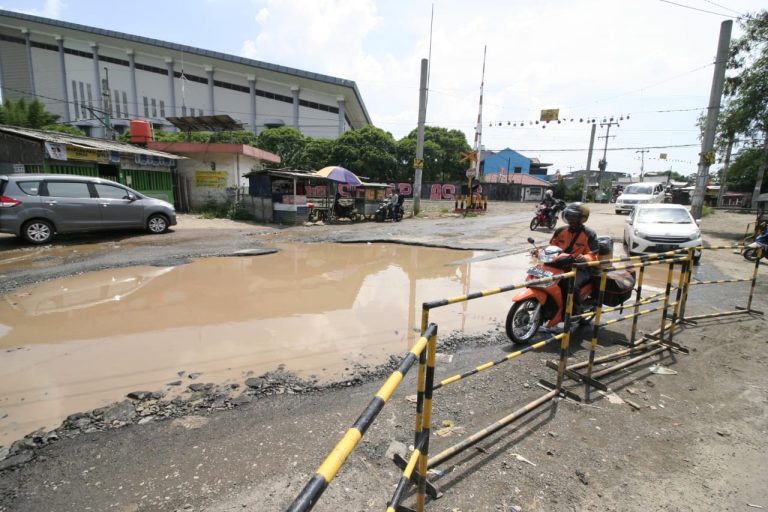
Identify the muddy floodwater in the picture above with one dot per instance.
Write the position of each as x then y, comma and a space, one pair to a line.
316, 310
78, 343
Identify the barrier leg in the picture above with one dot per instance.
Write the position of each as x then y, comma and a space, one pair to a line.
595, 330
638, 297
427, 422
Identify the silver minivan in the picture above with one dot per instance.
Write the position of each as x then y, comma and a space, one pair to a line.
640, 193
35, 206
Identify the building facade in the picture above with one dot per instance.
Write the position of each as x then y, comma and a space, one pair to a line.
498, 167
93, 78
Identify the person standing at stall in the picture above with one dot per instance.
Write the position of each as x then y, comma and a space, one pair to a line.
394, 199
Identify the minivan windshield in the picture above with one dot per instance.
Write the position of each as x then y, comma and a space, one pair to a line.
639, 188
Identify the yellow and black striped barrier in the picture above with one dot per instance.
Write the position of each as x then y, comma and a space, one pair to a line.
491, 364
406, 478
333, 462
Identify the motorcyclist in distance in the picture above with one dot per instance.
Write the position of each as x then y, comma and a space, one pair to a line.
580, 242
549, 201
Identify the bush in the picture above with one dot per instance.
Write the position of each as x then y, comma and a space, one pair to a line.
706, 210
229, 210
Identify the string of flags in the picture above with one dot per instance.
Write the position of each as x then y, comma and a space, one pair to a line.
552, 115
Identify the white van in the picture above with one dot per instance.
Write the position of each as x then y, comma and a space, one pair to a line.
639, 193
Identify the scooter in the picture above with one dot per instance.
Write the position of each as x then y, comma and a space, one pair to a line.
751, 251
547, 216
384, 211
544, 303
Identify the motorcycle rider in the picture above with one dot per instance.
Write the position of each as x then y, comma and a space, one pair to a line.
549, 202
580, 242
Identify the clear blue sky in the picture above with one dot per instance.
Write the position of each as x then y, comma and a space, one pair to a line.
589, 58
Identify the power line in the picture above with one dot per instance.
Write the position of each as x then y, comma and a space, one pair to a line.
697, 9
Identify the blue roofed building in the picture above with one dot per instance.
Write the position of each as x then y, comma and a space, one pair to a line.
497, 167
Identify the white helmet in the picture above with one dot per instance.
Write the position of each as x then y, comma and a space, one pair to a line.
548, 193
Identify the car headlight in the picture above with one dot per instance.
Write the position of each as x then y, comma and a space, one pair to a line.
639, 233
694, 236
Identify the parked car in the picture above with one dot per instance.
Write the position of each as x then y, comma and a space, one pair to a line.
640, 193
653, 228
35, 206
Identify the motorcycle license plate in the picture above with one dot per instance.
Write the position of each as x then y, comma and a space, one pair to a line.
539, 273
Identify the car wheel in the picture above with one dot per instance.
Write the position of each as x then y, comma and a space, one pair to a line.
37, 231
157, 224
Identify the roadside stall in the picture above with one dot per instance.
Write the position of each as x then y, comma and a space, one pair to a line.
284, 196
368, 197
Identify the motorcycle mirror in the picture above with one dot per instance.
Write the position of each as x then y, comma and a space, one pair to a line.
531, 241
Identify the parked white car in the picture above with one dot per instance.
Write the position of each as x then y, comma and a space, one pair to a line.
640, 193
653, 228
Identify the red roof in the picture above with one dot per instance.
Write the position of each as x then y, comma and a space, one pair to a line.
191, 148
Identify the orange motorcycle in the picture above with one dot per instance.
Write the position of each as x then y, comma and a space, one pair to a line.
544, 303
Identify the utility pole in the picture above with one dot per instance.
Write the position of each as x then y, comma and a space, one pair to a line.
589, 163
602, 164
724, 171
107, 105
707, 155
642, 160
418, 163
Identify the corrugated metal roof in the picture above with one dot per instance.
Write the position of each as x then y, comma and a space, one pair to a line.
287, 173
85, 142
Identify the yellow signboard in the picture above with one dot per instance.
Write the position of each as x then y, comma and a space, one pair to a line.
550, 114
80, 153
211, 179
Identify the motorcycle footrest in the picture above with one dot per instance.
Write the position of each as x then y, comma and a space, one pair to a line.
432, 490
578, 377
563, 392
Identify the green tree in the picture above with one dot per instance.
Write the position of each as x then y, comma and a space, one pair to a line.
368, 152
443, 150
317, 153
286, 142
745, 115
26, 115
742, 172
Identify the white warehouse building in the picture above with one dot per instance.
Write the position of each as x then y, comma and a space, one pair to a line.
88, 76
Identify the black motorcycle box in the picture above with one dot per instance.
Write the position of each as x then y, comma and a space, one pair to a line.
618, 287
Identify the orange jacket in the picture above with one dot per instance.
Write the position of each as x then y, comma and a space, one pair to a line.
585, 244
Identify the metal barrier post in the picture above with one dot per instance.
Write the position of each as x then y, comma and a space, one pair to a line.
667, 291
595, 330
687, 287
754, 277
427, 421
638, 298
565, 342
679, 295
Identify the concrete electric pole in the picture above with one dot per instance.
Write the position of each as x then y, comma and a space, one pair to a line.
707, 155
589, 163
642, 160
418, 163
602, 164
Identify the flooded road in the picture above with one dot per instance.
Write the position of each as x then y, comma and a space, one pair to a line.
78, 343
317, 310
